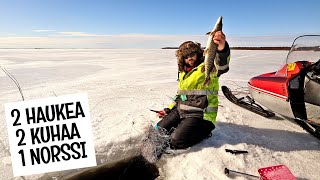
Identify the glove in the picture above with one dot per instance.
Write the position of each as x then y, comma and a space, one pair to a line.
162, 113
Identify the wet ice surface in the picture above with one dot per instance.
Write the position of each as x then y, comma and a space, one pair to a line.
123, 84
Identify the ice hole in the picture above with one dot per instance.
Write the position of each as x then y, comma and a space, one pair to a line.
135, 167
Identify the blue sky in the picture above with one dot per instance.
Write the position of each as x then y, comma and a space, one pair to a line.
85, 20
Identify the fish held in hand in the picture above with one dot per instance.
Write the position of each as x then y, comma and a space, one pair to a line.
210, 52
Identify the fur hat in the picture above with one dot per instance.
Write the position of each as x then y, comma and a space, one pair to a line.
187, 48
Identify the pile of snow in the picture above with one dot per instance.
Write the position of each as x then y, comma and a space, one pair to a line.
123, 85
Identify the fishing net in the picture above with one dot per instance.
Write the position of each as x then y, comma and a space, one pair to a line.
154, 144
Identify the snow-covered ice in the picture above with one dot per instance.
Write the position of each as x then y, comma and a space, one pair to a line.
122, 84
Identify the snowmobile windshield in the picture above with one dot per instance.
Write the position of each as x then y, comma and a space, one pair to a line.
304, 48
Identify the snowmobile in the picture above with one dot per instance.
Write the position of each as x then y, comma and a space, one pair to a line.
293, 91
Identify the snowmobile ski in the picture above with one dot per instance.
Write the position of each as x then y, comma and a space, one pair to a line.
250, 105
312, 127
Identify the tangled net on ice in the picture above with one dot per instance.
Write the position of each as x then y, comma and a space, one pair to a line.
154, 144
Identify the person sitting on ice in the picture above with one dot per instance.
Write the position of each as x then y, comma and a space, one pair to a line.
191, 117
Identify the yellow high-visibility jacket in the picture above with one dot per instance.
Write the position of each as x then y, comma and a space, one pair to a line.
194, 99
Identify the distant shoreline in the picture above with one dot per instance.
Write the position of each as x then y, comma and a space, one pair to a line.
247, 48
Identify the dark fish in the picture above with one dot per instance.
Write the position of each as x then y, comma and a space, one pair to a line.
211, 51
